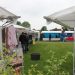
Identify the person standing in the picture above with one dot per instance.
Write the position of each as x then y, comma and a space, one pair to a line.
30, 39
62, 36
26, 41
49, 37
23, 38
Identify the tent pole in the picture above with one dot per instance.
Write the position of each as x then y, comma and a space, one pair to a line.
74, 54
1, 43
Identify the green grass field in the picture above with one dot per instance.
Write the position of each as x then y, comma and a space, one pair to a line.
60, 49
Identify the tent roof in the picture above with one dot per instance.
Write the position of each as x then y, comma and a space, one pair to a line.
21, 28
4, 14
64, 17
18, 26
53, 26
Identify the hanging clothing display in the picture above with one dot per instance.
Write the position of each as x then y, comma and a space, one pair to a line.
11, 40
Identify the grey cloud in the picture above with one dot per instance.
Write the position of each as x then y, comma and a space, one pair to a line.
34, 10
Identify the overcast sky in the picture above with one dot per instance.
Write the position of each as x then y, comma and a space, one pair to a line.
34, 10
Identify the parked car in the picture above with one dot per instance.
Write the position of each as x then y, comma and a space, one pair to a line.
69, 38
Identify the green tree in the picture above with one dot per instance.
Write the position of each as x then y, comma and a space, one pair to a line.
18, 23
25, 24
44, 28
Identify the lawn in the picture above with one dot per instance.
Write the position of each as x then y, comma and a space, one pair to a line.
55, 57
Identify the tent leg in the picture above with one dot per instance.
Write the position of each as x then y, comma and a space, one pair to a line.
1, 43
74, 54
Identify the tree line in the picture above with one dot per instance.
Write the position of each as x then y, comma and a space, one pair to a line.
24, 24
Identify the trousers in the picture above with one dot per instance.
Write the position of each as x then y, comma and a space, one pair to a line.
24, 47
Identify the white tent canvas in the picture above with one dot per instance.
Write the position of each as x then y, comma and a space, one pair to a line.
18, 26
66, 16
53, 26
21, 28
5, 13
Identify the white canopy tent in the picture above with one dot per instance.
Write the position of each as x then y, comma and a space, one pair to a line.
9, 17
53, 26
21, 28
18, 26
5, 14
66, 18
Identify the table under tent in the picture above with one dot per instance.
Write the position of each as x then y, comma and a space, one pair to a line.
10, 62
66, 18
